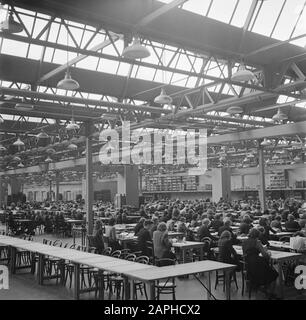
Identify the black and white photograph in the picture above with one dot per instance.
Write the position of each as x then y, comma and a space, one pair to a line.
153, 153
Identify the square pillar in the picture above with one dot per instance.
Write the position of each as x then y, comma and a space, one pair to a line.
221, 184
128, 185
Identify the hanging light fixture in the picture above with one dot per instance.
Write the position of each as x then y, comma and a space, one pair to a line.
72, 125
243, 75
279, 116
2, 148
16, 159
20, 165
72, 146
169, 107
42, 135
163, 98
18, 143
48, 159
297, 158
9, 25
234, 110
266, 142
136, 50
68, 83
50, 151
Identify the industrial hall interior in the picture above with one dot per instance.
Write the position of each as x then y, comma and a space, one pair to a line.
152, 150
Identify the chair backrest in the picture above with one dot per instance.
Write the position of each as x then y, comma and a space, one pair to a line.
45, 241
107, 251
130, 257
125, 253
57, 243
164, 262
91, 240
143, 259
116, 254
66, 245
73, 246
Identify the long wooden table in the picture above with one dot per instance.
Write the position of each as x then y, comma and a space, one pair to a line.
149, 276
129, 270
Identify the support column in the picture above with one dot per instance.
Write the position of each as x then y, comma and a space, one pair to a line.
89, 182
15, 188
221, 184
57, 184
128, 185
262, 183
2, 192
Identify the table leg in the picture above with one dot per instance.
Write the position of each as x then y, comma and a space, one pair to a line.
126, 286
184, 255
101, 286
12, 252
281, 279
209, 285
133, 290
152, 290
62, 271
228, 284
201, 254
41, 266
76, 281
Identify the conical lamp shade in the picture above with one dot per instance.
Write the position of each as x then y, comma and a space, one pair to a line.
68, 83
10, 25
136, 51
18, 143
279, 116
42, 135
2, 148
1, 120
266, 142
72, 125
234, 110
163, 98
243, 74
72, 146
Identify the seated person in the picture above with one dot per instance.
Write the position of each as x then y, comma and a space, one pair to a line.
291, 224
139, 226
144, 235
110, 235
204, 232
276, 224
227, 253
161, 243
302, 232
217, 222
245, 225
265, 231
259, 270
98, 241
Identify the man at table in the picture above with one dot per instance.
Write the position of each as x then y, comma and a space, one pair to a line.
144, 235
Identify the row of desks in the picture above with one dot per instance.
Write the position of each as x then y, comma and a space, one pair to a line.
131, 271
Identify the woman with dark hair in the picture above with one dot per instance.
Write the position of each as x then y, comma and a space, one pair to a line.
110, 234
98, 237
227, 253
259, 271
161, 243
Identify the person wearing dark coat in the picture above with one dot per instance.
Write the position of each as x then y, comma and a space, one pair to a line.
259, 270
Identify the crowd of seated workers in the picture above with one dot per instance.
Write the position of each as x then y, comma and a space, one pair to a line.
196, 220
